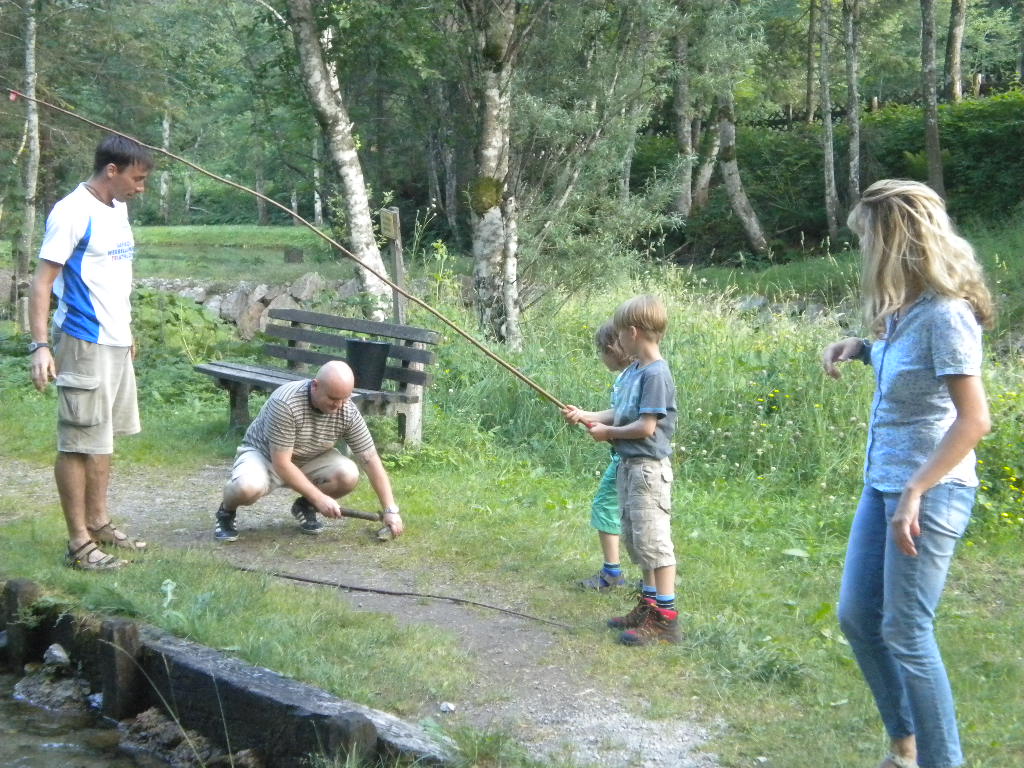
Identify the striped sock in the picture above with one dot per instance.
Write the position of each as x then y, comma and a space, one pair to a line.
613, 569
650, 592
667, 602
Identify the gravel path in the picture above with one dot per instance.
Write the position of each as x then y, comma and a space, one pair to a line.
526, 684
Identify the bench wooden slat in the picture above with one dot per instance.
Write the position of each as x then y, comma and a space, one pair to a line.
296, 355
336, 340
269, 379
357, 325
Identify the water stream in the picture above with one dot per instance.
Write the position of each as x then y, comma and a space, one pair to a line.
31, 737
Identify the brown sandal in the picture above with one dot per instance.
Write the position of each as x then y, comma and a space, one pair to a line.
108, 534
79, 559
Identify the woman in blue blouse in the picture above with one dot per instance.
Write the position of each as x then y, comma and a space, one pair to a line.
925, 302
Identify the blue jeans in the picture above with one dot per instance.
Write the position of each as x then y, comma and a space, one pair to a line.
887, 605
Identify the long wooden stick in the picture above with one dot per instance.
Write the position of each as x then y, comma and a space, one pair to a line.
334, 243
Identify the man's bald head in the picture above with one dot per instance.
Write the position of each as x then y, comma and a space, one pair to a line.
332, 386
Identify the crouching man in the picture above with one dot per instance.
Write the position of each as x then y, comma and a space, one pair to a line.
291, 442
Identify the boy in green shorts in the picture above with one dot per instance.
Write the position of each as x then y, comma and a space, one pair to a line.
640, 428
604, 511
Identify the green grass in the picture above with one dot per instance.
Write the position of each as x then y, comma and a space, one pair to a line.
768, 455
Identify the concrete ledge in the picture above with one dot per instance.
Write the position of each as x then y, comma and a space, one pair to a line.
226, 700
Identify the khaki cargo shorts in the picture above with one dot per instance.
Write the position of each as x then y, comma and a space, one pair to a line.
645, 496
255, 471
96, 397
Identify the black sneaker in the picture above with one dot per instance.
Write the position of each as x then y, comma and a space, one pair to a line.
305, 515
225, 530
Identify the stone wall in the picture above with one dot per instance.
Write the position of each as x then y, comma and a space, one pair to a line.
246, 303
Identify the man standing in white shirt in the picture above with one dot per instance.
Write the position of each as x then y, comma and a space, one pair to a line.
86, 262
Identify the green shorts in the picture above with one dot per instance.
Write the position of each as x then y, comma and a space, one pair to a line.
604, 511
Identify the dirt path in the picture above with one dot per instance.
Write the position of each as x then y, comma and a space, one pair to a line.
525, 684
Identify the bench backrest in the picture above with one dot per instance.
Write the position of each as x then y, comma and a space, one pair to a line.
312, 338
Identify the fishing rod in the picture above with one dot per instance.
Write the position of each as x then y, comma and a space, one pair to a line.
15, 94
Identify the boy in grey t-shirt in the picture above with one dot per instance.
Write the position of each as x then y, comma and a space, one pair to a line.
641, 428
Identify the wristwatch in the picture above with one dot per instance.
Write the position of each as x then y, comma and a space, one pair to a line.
392, 510
34, 345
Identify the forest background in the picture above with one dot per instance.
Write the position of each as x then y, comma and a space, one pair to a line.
549, 160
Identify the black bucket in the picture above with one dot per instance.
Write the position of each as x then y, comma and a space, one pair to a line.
368, 360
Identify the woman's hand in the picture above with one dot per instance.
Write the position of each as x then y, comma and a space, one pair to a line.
906, 524
840, 352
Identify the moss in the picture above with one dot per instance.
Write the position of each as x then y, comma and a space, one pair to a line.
485, 193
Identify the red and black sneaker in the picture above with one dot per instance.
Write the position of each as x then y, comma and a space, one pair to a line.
660, 625
635, 617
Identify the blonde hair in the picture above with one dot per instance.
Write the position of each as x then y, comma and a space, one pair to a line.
909, 245
645, 313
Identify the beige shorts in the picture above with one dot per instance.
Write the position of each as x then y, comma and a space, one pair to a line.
255, 471
96, 397
645, 497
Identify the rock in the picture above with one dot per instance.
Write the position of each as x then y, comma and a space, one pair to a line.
195, 292
252, 320
284, 301
56, 656
274, 291
348, 289
308, 287
234, 303
447, 706
751, 303
259, 293
212, 304
67, 695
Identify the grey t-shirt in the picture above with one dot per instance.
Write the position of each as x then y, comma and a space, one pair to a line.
912, 410
649, 389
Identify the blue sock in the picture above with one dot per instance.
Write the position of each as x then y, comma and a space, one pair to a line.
613, 569
650, 592
666, 602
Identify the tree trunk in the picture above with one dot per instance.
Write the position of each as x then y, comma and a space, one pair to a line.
851, 29
702, 187
495, 226
295, 206
188, 199
683, 115
731, 177
30, 176
831, 193
812, 36
931, 108
165, 175
262, 217
954, 43
318, 202
627, 168
324, 92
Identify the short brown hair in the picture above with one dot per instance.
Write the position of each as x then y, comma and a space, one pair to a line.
606, 337
645, 313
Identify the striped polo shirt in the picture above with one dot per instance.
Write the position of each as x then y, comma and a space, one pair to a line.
288, 421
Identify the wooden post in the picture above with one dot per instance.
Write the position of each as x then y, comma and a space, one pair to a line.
391, 228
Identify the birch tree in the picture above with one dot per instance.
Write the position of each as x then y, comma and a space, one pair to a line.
30, 176
731, 177
683, 111
851, 34
954, 44
324, 90
499, 29
829, 164
932, 145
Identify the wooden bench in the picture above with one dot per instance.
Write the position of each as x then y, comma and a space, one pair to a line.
312, 338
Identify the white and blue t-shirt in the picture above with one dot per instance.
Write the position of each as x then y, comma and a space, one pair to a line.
94, 244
